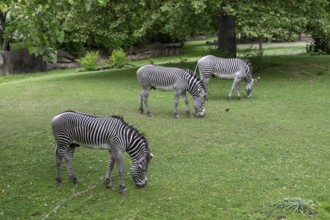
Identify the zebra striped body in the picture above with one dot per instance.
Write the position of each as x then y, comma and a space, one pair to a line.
71, 129
171, 78
233, 68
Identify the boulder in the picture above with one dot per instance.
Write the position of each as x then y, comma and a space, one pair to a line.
20, 61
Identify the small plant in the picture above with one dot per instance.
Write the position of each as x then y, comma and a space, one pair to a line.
88, 62
296, 205
118, 58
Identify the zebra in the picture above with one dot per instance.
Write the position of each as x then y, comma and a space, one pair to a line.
72, 129
172, 78
233, 68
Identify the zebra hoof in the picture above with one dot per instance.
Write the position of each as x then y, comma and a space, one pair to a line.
239, 98
149, 114
123, 192
108, 184
75, 180
188, 114
229, 98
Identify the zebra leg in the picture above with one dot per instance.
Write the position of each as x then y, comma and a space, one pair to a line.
186, 102
232, 89
176, 102
120, 166
144, 97
68, 158
111, 164
141, 102
59, 154
238, 91
205, 80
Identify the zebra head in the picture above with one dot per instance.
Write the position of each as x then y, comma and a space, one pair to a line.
139, 170
199, 101
249, 86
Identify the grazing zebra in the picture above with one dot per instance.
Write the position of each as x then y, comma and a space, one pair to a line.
171, 78
71, 129
234, 68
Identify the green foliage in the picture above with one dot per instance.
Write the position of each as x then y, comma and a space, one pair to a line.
88, 62
254, 55
319, 46
297, 205
40, 23
118, 58
250, 52
213, 50
45, 25
77, 49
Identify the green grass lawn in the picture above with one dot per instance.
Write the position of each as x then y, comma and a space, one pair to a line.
232, 164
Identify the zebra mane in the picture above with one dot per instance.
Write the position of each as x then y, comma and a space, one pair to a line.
191, 73
93, 116
69, 110
139, 134
119, 117
248, 73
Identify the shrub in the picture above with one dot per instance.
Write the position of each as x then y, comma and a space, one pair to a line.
255, 56
88, 62
118, 58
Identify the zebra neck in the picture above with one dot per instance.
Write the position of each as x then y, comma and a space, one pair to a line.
136, 146
192, 88
248, 79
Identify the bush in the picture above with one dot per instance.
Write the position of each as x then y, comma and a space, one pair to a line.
118, 58
77, 49
88, 62
256, 57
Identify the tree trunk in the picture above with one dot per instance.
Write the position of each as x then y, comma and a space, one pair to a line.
260, 43
227, 34
5, 41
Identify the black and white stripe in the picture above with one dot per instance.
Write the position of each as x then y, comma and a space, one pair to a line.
171, 78
71, 129
232, 68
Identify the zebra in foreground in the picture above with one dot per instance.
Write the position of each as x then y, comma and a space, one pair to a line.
222, 68
71, 129
171, 78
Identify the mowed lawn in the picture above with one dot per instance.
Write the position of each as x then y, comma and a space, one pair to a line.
233, 164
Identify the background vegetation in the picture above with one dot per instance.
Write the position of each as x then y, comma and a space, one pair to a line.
77, 26
241, 164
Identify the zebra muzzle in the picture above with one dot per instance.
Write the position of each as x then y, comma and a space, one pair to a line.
200, 114
141, 184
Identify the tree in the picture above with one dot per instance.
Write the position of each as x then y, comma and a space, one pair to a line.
259, 19
115, 25
226, 32
3, 22
318, 26
37, 23
47, 24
